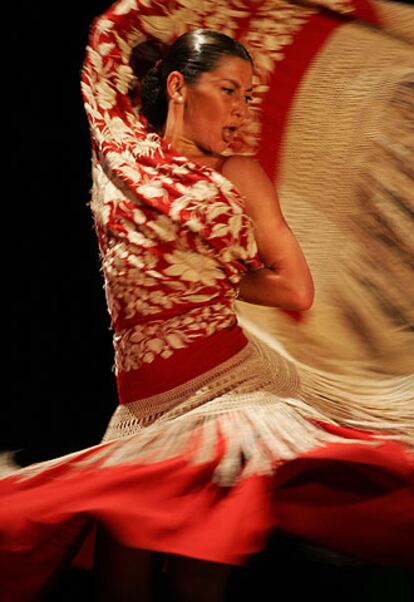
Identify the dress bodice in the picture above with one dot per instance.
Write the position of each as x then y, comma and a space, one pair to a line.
171, 271
174, 236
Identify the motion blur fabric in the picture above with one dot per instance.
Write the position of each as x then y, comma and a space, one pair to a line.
235, 420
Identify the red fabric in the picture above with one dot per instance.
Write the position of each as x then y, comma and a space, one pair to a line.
355, 500
185, 364
312, 36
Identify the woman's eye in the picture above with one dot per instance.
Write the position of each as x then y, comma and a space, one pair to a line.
228, 90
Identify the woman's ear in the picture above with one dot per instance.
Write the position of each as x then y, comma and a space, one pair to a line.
176, 93
176, 87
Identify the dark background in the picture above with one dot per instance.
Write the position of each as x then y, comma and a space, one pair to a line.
60, 389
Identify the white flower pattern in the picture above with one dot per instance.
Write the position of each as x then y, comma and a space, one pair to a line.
192, 267
174, 236
142, 343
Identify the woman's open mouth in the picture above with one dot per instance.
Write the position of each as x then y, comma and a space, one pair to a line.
228, 133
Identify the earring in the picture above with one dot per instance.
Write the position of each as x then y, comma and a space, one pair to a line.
178, 98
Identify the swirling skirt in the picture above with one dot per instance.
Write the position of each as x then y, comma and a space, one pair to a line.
238, 456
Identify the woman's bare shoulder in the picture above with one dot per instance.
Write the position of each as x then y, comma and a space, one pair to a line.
243, 171
247, 175
259, 192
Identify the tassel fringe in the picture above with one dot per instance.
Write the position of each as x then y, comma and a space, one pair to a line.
367, 401
260, 427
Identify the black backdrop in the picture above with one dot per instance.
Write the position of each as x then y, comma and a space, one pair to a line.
60, 389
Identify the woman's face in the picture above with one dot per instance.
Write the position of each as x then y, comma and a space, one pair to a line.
217, 104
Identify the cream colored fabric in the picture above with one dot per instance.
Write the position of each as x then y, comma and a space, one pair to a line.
346, 188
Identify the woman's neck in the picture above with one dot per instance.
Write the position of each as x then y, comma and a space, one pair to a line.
195, 152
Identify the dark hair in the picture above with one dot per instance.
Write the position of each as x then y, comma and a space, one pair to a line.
193, 53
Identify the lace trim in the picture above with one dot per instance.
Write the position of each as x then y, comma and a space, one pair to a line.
246, 404
132, 417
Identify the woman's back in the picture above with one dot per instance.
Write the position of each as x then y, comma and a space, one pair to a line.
171, 278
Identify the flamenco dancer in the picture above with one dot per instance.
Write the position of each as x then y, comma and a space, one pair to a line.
219, 438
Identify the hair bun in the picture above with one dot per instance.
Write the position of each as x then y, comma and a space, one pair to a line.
146, 55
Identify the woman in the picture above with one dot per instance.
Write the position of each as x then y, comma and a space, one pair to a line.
212, 446
204, 114
199, 115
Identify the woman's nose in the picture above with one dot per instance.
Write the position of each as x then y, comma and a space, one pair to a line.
240, 108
